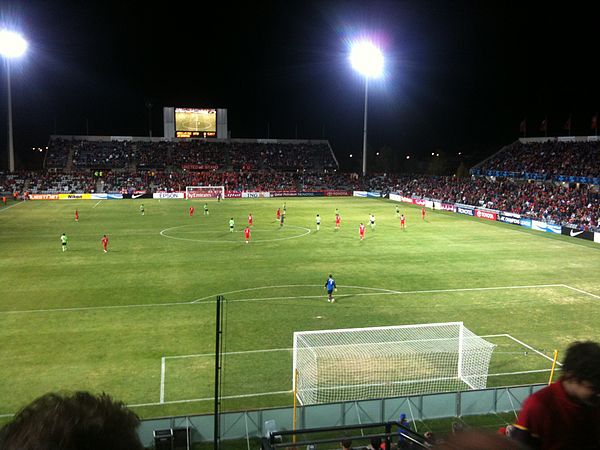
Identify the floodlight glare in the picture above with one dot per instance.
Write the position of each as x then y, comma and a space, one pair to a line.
367, 59
12, 45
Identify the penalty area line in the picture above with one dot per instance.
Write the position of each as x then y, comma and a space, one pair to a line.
206, 399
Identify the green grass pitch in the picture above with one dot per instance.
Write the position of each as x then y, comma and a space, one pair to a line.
138, 322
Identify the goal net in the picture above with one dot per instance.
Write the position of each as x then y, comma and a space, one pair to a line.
204, 191
378, 362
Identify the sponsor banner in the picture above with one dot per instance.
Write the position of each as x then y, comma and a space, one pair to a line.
466, 210
509, 214
114, 196
502, 217
137, 196
359, 193
338, 193
597, 237
233, 194
488, 215
200, 166
446, 207
99, 196
374, 194
525, 222
74, 196
298, 194
43, 196
395, 197
580, 234
246, 194
417, 201
168, 195
550, 228
537, 225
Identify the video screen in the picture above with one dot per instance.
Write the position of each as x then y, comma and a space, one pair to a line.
192, 122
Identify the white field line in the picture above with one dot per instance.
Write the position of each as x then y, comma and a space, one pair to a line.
519, 373
380, 291
581, 291
532, 349
162, 380
96, 204
267, 350
206, 399
8, 207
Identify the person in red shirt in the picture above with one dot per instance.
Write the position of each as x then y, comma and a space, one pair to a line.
191, 211
402, 222
250, 219
247, 234
278, 214
566, 414
76, 216
423, 213
337, 222
361, 231
4, 200
105, 243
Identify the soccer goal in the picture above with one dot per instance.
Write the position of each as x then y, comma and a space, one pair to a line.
204, 191
362, 363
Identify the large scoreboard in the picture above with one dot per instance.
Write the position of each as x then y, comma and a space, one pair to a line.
199, 123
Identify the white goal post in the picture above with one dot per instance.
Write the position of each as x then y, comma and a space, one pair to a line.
204, 191
377, 362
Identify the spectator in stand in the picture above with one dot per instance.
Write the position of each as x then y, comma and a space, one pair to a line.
566, 414
72, 422
346, 444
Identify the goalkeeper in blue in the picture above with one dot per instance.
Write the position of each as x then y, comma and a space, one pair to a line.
330, 286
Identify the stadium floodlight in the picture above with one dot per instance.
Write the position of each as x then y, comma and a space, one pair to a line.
367, 59
395, 361
12, 45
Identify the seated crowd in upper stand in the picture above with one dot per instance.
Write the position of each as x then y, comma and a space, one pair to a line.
548, 158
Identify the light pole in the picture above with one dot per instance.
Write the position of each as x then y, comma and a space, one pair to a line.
12, 45
366, 59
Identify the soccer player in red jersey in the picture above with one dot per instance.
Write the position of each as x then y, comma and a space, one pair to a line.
361, 231
402, 222
423, 213
76, 216
250, 219
247, 234
191, 211
105, 243
337, 221
566, 414
278, 214
4, 199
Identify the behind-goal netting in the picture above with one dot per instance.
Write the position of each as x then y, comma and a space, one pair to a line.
364, 363
205, 192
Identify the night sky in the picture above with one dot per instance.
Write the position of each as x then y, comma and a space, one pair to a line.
460, 76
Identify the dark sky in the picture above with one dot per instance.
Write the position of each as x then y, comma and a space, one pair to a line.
460, 76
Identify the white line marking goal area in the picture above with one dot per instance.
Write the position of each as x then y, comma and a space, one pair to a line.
189, 378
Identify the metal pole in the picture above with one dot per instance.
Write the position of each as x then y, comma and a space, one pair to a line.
364, 164
217, 435
11, 149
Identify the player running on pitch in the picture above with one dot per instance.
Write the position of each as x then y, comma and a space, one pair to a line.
278, 214
331, 287
105, 243
191, 211
423, 213
250, 219
64, 241
231, 225
361, 231
338, 220
76, 216
142, 210
318, 222
206, 209
398, 212
372, 221
402, 222
247, 233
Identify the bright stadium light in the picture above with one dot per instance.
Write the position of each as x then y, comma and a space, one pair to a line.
12, 45
367, 60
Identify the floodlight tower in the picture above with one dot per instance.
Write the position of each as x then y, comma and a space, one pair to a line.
366, 59
12, 45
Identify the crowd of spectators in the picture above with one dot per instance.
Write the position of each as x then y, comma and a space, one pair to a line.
549, 158
174, 155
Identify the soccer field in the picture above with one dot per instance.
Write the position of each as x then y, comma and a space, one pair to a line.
138, 321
